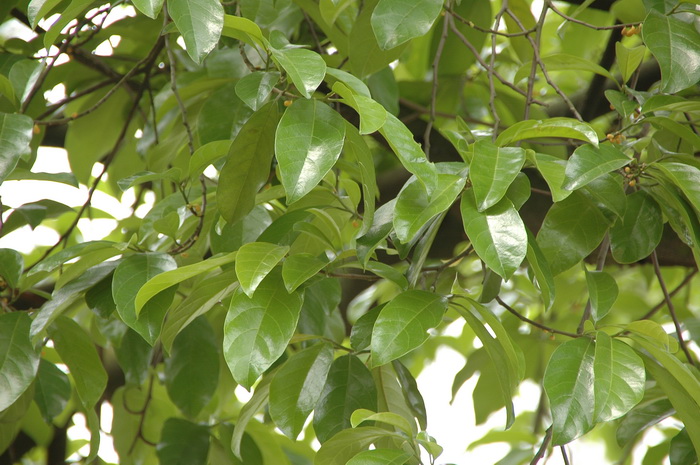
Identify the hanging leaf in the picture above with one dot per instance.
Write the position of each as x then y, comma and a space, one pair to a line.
492, 171
15, 136
254, 261
589, 162
304, 67
639, 231
255, 88
183, 443
200, 24
394, 22
602, 291
19, 361
552, 127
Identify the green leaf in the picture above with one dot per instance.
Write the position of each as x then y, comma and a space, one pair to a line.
308, 142
685, 177
676, 46
192, 370
52, 262
628, 59
19, 361
37, 9
297, 387
569, 383
15, 136
20, 174
572, 229
173, 175
349, 386
52, 390
348, 443
602, 291
589, 163
361, 333
414, 398
409, 152
134, 356
304, 67
380, 457
564, 62
641, 417
255, 88
298, 268
167, 279
619, 378
403, 323
183, 443
414, 208
131, 274
497, 234
681, 451
568, 128
245, 30
358, 87
206, 155
540, 269
11, 266
357, 152
200, 24
394, 22
372, 114
607, 193
553, 171
639, 231
257, 401
78, 352
492, 171
150, 8
258, 329
359, 416
247, 167
222, 115
255, 261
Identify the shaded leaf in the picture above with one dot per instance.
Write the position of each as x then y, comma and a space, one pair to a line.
19, 361
52, 390
602, 291
11, 267
255, 88
639, 231
588, 163
15, 136
183, 443
394, 22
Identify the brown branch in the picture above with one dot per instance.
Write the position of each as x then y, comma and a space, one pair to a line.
543, 447
550, 4
671, 308
532, 322
678, 288
486, 30
433, 94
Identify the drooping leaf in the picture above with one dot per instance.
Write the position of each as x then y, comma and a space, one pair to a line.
258, 400
639, 231
588, 163
409, 386
553, 171
11, 266
308, 142
380, 457
541, 271
372, 114
349, 386
258, 328
339, 449
569, 383
304, 67
552, 127
298, 268
150, 8
572, 229
297, 387
686, 177
78, 352
52, 390
200, 24
403, 323
19, 361
676, 46
131, 274
255, 88
134, 357
192, 370
492, 171
183, 443
602, 291
641, 417
15, 135
628, 60
254, 261
394, 22
498, 234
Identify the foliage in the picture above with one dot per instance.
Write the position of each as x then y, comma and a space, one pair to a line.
318, 190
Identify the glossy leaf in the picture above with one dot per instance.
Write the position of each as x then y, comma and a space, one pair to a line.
150, 8
639, 231
170, 278
541, 271
192, 370
394, 22
569, 382
255, 88
360, 416
258, 400
11, 266
552, 127
602, 291
298, 268
200, 24
403, 323
206, 155
497, 234
572, 229
628, 60
80, 356
380, 457
348, 443
254, 261
492, 171
52, 390
297, 387
308, 142
349, 386
372, 114
619, 378
641, 417
134, 356
183, 443
564, 62
356, 150
414, 398
553, 171
243, 29
675, 45
304, 67
686, 177
15, 135
258, 329
131, 274
588, 163
19, 361
414, 208
409, 152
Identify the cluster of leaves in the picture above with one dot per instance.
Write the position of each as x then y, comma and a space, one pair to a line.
267, 131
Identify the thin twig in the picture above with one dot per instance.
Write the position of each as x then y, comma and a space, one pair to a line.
486, 30
180, 103
532, 322
564, 455
550, 4
361, 277
71, 98
600, 264
433, 94
423, 110
491, 70
671, 308
543, 447
678, 288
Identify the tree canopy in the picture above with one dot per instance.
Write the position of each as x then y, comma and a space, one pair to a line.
318, 189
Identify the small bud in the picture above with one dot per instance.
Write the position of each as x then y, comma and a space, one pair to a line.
36, 129
632, 182
627, 169
288, 103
